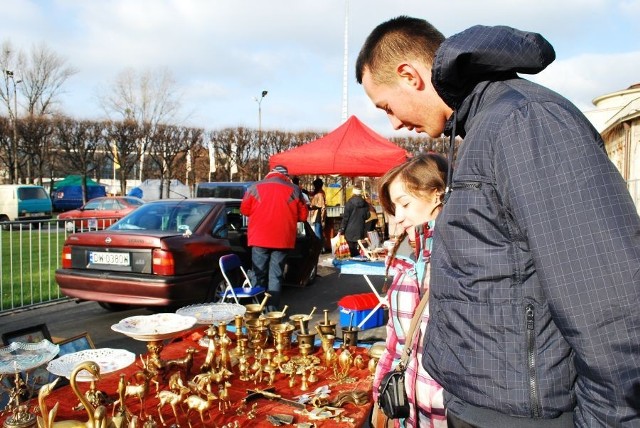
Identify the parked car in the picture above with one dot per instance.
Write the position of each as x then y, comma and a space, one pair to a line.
99, 213
166, 253
223, 189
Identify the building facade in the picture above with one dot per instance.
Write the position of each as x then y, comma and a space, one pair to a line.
617, 118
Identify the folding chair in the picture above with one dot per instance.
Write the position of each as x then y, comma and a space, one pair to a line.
233, 273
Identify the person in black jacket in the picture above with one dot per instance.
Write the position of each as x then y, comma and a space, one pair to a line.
353, 225
535, 273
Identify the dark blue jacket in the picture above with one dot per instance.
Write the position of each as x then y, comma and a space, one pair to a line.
535, 277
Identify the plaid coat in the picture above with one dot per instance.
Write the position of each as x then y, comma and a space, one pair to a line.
423, 392
535, 277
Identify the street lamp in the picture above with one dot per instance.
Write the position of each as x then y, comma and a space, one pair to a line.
14, 117
259, 101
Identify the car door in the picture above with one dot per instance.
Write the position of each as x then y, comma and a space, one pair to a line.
302, 262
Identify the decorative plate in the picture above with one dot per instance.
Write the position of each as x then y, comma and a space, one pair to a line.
109, 360
213, 313
22, 356
154, 327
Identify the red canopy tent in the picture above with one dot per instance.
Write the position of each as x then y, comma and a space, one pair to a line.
351, 150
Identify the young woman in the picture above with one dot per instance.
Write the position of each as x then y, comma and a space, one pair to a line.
412, 193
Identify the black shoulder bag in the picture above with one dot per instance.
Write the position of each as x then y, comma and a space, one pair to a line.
392, 398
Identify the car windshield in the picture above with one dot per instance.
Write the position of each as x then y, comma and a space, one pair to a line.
169, 216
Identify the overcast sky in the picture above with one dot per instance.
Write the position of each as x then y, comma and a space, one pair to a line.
224, 53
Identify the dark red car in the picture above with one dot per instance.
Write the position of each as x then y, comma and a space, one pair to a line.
99, 213
166, 253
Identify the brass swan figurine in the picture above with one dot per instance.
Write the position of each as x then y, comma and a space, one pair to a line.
97, 416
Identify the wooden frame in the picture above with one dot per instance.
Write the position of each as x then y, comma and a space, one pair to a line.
76, 343
31, 334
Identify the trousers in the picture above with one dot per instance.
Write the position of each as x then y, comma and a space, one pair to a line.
268, 265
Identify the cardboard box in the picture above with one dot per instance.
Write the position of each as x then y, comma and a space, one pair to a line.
360, 305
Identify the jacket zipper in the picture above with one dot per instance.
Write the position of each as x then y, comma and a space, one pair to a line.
531, 358
467, 185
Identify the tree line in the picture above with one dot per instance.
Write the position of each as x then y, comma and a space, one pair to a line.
142, 135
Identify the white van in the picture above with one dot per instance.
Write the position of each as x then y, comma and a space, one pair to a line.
24, 202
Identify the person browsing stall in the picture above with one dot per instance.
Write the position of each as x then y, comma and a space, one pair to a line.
412, 192
274, 207
354, 220
535, 273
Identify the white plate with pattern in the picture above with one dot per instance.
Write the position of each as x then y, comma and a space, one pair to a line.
154, 327
109, 360
213, 313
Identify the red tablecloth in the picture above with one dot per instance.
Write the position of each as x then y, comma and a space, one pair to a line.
359, 380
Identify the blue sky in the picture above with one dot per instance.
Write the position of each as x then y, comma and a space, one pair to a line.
224, 53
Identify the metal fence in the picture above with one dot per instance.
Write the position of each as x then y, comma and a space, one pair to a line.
29, 255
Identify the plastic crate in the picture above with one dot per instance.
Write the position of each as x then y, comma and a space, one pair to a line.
360, 305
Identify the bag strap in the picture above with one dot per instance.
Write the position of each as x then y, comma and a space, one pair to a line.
411, 334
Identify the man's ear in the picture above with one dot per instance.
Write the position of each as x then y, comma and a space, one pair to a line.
408, 74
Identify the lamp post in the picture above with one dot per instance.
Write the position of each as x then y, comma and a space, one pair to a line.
14, 118
259, 101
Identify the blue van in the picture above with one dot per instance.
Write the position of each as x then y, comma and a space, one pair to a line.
20, 202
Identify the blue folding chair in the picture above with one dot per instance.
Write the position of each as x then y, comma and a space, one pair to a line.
233, 273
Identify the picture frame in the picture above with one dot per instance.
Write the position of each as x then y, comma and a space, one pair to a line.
76, 343
33, 334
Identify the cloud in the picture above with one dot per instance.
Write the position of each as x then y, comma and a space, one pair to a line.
224, 53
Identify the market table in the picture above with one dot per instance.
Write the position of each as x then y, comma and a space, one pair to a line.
253, 413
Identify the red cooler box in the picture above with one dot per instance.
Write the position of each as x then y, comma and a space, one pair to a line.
360, 305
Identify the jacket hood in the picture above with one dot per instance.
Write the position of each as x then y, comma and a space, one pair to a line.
486, 53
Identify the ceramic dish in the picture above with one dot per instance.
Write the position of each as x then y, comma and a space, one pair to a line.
213, 313
154, 327
21, 356
109, 360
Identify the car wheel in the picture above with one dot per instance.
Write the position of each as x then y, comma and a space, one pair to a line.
114, 307
5, 222
70, 226
218, 286
312, 277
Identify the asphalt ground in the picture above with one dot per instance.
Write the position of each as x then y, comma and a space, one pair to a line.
68, 318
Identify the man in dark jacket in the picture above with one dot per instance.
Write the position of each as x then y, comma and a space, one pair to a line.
353, 225
274, 206
535, 271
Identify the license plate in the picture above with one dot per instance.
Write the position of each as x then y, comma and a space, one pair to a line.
116, 259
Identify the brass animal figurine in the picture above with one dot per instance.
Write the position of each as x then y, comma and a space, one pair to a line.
199, 404
171, 398
140, 390
185, 363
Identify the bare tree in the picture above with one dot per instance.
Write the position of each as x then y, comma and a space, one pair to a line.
149, 98
35, 132
80, 140
122, 147
234, 151
37, 79
171, 145
43, 80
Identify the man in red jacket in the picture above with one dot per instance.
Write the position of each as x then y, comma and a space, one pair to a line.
274, 207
